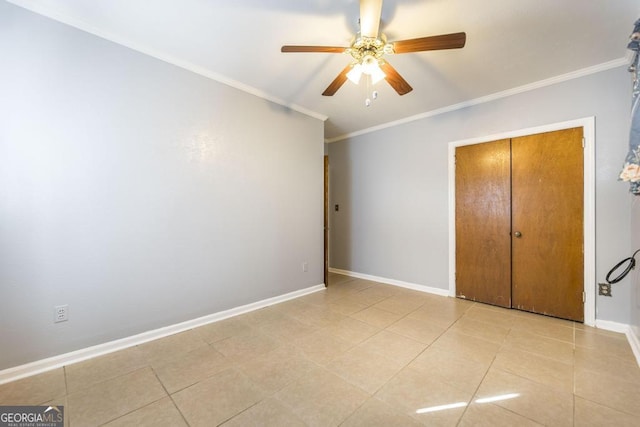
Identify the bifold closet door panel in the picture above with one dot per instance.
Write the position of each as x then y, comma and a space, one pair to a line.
547, 215
483, 221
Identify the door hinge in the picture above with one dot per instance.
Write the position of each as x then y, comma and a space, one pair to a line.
584, 297
583, 142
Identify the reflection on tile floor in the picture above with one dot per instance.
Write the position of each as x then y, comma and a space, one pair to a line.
359, 353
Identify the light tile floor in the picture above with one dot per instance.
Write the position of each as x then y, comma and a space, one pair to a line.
356, 354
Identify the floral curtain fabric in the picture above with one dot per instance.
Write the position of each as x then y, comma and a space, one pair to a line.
631, 170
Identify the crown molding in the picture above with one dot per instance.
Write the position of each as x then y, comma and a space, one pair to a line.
492, 97
33, 6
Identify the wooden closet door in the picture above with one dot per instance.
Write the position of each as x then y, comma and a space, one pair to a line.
483, 222
547, 215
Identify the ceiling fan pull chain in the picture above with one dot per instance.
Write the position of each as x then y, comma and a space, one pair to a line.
368, 87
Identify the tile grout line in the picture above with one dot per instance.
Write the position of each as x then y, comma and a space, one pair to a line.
421, 352
372, 395
144, 406
475, 392
484, 377
575, 395
267, 395
170, 396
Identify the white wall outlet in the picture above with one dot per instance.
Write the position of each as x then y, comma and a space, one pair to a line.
61, 313
305, 266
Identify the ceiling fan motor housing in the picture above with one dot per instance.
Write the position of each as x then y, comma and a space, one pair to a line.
366, 50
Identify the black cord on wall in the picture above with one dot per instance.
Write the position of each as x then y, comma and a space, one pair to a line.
630, 265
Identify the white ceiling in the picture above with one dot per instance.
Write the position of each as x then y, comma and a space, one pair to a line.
510, 44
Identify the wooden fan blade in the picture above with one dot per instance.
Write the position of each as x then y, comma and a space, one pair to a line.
395, 80
445, 41
321, 49
370, 11
337, 82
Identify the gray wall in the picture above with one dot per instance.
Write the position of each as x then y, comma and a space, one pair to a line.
392, 184
139, 193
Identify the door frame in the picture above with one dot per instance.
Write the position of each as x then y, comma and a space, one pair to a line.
589, 243
326, 221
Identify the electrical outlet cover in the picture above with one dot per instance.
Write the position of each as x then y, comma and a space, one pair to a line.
61, 313
604, 289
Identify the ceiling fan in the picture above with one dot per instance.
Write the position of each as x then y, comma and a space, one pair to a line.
370, 46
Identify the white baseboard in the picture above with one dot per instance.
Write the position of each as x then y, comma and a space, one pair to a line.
624, 329
415, 287
612, 326
44, 365
635, 343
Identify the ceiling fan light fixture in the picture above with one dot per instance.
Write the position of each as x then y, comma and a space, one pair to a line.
368, 65
355, 74
376, 73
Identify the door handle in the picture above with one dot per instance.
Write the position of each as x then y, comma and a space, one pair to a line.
518, 234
